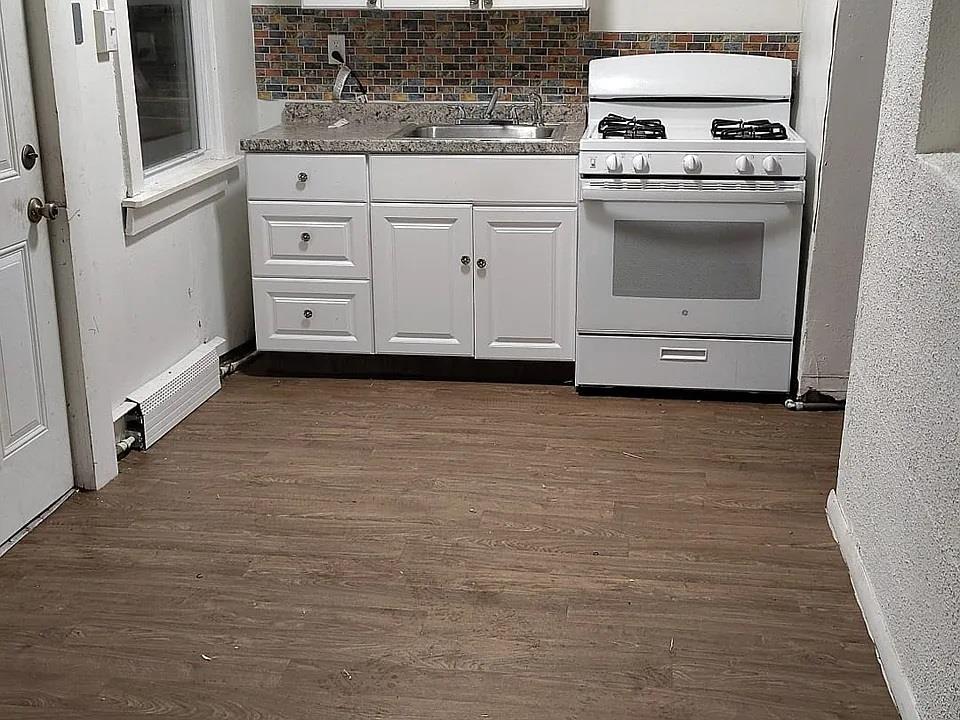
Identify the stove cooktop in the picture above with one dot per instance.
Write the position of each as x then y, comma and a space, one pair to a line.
617, 126
747, 130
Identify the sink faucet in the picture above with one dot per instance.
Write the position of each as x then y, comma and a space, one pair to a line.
497, 94
537, 101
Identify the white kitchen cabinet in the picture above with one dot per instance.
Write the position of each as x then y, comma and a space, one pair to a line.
535, 4
525, 284
427, 4
339, 3
310, 240
328, 316
423, 279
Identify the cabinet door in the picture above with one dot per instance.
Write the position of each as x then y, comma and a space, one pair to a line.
423, 279
525, 283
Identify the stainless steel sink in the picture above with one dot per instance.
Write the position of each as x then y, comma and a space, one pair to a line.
477, 132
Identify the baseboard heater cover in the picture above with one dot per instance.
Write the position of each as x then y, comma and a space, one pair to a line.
172, 396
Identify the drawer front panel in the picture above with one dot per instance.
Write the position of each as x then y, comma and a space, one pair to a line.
746, 365
329, 316
476, 179
333, 178
310, 240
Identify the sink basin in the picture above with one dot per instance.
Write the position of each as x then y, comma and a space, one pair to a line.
477, 132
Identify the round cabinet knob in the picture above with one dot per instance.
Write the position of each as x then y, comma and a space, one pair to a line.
640, 164
744, 165
481, 263
302, 177
308, 314
614, 164
465, 260
305, 237
771, 165
692, 164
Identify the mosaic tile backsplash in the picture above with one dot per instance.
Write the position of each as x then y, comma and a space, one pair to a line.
460, 56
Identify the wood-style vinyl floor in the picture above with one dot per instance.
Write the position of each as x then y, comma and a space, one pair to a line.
331, 549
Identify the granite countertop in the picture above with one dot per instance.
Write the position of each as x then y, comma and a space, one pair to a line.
305, 129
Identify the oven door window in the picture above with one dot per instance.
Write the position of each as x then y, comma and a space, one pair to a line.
688, 260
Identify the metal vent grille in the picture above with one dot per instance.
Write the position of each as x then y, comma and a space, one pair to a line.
166, 400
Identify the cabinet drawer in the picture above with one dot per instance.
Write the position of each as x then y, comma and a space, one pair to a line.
329, 316
332, 178
310, 240
475, 179
750, 365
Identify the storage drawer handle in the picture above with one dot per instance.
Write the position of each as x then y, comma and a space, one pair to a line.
303, 177
683, 354
308, 314
305, 237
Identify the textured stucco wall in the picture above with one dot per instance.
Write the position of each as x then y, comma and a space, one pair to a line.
899, 481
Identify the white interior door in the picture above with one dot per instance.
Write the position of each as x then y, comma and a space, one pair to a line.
35, 469
526, 283
423, 279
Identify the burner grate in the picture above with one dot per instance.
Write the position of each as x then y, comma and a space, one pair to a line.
748, 130
617, 126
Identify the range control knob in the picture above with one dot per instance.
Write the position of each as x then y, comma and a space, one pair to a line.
614, 164
744, 165
640, 164
771, 166
692, 164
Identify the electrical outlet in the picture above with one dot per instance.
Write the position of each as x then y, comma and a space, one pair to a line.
336, 43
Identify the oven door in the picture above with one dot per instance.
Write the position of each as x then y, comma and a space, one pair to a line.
689, 257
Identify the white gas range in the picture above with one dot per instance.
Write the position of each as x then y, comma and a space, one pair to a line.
692, 185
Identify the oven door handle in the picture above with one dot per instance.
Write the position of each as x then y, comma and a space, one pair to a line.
698, 191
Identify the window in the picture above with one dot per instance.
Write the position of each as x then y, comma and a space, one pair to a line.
164, 80
171, 118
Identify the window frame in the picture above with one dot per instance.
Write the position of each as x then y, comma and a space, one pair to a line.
208, 101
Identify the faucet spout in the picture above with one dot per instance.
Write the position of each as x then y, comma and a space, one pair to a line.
497, 94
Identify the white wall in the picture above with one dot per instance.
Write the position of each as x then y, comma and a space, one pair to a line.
899, 483
696, 15
842, 56
140, 304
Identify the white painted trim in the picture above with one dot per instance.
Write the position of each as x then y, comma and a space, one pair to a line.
151, 209
5, 547
893, 672
180, 178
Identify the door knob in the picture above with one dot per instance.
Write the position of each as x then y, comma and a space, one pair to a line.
37, 210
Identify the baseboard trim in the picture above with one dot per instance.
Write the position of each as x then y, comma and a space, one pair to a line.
890, 664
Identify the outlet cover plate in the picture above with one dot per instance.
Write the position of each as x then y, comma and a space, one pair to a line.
336, 42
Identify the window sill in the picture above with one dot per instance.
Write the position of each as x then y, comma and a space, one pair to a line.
173, 192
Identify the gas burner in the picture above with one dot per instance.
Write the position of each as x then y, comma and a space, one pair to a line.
617, 126
748, 130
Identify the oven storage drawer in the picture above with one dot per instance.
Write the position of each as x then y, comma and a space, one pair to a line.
332, 178
669, 362
324, 316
